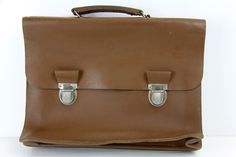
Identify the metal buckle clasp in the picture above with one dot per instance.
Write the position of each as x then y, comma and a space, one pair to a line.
67, 93
157, 94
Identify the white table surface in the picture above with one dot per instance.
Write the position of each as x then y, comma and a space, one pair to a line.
213, 146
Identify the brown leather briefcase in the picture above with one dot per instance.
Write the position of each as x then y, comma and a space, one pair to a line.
115, 82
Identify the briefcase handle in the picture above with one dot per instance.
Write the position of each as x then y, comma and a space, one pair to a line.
79, 11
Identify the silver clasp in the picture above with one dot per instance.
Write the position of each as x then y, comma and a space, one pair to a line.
157, 94
67, 93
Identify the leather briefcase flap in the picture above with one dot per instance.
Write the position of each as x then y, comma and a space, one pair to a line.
111, 56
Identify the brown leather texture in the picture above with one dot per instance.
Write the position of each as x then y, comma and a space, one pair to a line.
113, 60
106, 8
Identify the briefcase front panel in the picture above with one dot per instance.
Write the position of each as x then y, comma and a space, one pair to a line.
115, 67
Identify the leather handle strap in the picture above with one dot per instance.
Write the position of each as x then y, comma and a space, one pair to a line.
78, 11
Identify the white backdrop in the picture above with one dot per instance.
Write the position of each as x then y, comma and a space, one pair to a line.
219, 81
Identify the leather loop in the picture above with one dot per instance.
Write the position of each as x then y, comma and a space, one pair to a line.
161, 77
78, 11
67, 76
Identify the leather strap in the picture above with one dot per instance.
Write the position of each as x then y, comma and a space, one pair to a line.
78, 11
162, 77
64, 76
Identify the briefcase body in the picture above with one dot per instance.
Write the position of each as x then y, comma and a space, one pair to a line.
116, 82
